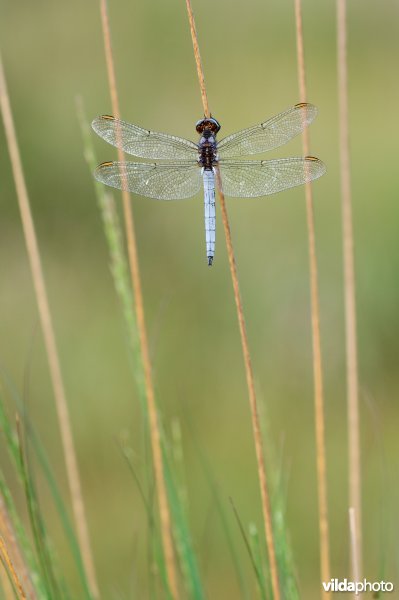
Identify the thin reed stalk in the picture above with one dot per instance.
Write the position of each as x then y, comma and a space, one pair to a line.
263, 481
354, 458
8, 565
7, 532
155, 435
315, 320
49, 338
353, 536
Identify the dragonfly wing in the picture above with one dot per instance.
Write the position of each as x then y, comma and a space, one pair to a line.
268, 135
252, 178
143, 142
160, 181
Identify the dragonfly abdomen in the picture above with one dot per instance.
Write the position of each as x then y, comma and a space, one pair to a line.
210, 213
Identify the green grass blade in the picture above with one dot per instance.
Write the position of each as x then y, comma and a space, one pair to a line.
154, 534
264, 580
221, 512
283, 547
22, 537
45, 557
182, 535
284, 556
258, 575
62, 512
12, 443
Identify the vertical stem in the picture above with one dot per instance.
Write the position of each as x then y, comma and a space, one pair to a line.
353, 536
355, 499
49, 339
265, 497
165, 519
315, 320
197, 56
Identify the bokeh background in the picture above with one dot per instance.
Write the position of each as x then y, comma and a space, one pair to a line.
53, 51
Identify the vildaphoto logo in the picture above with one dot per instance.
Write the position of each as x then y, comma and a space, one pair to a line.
358, 587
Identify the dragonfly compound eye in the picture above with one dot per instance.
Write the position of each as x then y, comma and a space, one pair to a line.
211, 124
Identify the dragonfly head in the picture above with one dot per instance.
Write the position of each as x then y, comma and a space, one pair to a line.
208, 124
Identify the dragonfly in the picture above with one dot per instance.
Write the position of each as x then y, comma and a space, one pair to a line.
185, 166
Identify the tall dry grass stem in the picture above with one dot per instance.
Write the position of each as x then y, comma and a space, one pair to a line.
197, 57
354, 546
165, 519
354, 458
17, 558
9, 566
265, 496
49, 338
315, 320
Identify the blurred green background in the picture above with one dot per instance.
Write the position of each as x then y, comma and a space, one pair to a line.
53, 51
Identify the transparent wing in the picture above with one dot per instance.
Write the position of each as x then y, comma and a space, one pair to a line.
252, 178
268, 135
142, 142
161, 181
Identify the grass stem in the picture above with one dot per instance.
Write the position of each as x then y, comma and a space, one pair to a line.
355, 499
197, 57
165, 519
315, 320
49, 338
353, 544
265, 497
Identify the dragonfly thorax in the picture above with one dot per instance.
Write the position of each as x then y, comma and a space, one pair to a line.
207, 151
207, 143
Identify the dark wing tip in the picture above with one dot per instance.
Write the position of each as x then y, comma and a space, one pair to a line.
96, 122
311, 109
319, 165
101, 171
304, 105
